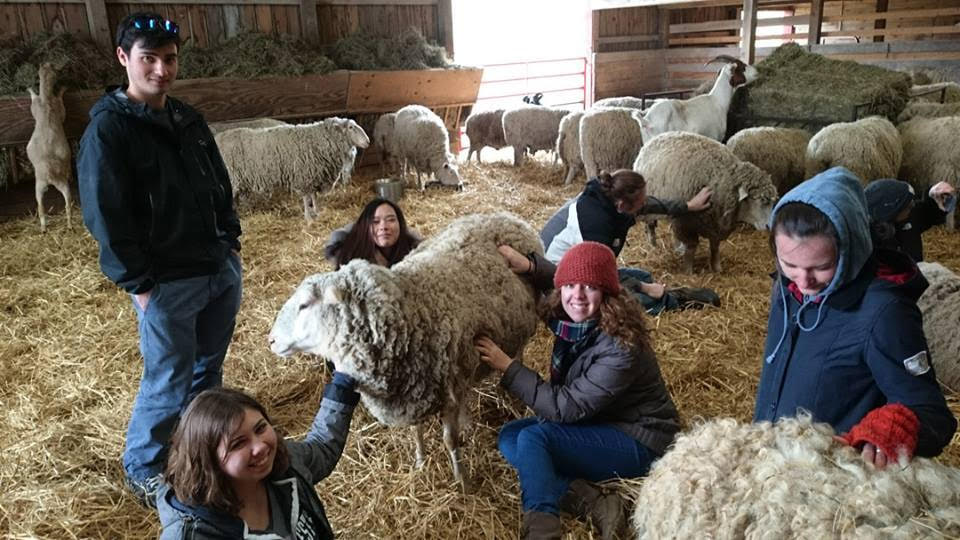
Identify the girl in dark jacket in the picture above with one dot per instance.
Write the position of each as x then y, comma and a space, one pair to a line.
379, 236
230, 475
845, 337
604, 413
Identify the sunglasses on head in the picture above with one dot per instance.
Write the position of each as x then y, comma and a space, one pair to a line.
147, 23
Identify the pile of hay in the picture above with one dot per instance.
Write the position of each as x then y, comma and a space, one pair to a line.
79, 63
254, 55
407, 50
806, 90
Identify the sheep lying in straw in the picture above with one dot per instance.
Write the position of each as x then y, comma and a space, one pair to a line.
870, 148
304, 159
677, 165
48, 149
422, 142
778, 151
568, 145
791, 479
484, 129
929, 154
940, 305
531, 128
406, 333
610, 139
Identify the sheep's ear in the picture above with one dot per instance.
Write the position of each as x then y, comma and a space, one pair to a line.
332, 295
742, 193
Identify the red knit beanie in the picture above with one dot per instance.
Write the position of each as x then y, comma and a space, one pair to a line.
590, 263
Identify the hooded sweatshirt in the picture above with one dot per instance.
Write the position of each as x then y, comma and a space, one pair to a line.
858, 344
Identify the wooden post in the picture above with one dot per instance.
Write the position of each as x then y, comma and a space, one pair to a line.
748, 32
663, 23
816, 20
445, 25
98, 23
880, 24
309, 28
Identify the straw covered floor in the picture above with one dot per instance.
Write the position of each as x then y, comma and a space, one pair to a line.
70, 366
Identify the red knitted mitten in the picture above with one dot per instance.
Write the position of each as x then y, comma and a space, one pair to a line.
889, 428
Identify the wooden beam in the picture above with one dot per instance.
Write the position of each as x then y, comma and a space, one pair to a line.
663, 24
816, 20
641, 38
99, 24
880, 24
748, 48
445, 25
309, 27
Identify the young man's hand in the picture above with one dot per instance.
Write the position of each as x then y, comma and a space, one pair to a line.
143, 299
700, 201
945, 196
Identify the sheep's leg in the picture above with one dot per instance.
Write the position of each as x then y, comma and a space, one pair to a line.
571, 173
306, 207
420, 182
715, 255
65, 190
40, 188
517, 156
451, 438
652, 232
314, 205
478, 156
418, 459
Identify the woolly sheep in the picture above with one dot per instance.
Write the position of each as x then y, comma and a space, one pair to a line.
629, 102
940, 305
531, 128
219, 127
778, 151
485, 128
568, 145
48, 150
792, 479
928, 110
869, 147
406, 333
676, 165
610, 139
929, 155
304, 158
422, 142
932, 92
386, 143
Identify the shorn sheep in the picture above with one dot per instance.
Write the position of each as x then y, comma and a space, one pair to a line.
677, 165
568, 145
304, 159
705, 114
792, 479
610, 139
781, 152
870, 148
48, 149
485, 128
219, 127
940, 305
929, 155
406, 333
531, 128
422, 142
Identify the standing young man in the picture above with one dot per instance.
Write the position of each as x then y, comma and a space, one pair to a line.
156, 196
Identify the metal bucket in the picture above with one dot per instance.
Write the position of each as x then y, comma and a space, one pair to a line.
389, 188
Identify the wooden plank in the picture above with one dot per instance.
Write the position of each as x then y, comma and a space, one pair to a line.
33, 22
663, 26
880, 23
704, 40
748, 32
264, 19
595, 20
445, 25
815, 23
384, 91
601, 58
639, 38
231, 21
378, 2
308, 21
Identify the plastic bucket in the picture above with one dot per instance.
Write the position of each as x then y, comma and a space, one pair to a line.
389, 188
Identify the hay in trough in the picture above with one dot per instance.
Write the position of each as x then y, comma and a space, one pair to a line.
78, 61
69, 367
806, 90
252, 55
406, 50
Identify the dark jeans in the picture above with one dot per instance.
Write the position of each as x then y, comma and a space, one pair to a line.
630, 279
184, 334
548, 455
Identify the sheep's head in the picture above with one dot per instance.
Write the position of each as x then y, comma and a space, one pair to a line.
739, 72
755, 204
448, 174
296, 326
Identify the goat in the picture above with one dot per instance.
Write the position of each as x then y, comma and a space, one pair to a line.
706, 114
48, 149
534, 99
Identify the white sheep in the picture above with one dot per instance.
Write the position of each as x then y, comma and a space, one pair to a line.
386, 143
568, 145
676, 165
940, 305
781, 152
406, 333
870, 148
705, 114
48, 149
304, 159
629, 102
219, 127
422, 142
531, 128
484, 129
929, 155
928, 110
792, 479
610, 139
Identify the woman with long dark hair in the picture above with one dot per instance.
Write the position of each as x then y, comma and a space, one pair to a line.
380, 236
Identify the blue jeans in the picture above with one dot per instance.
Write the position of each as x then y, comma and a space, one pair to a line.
184, 334
630, 279
549, 455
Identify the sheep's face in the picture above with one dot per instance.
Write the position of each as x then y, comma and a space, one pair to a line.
449, 175
356, 134
300, 324
754, 207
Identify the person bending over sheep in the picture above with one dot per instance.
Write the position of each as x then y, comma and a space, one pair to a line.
230, 475
379, 236
156, 196
605, 411
845, 337
898, 220
604, 212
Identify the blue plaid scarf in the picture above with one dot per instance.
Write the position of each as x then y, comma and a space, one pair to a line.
570, 341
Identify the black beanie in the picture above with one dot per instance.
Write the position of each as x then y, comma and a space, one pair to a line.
886, 198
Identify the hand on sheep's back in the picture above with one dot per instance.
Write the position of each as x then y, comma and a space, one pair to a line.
492, 354
888, 435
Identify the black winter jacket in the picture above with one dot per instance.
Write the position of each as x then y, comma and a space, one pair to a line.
155, 192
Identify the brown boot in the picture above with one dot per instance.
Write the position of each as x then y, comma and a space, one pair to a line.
541, 526
585, 500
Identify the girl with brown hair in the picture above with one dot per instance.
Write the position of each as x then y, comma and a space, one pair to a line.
380, 236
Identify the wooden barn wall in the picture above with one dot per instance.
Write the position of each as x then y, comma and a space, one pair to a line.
382, 20
626, 29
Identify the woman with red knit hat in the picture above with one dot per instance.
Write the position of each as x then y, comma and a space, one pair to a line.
604, 412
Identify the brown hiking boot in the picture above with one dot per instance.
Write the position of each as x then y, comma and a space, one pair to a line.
694, 297
585, 500
541, 526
